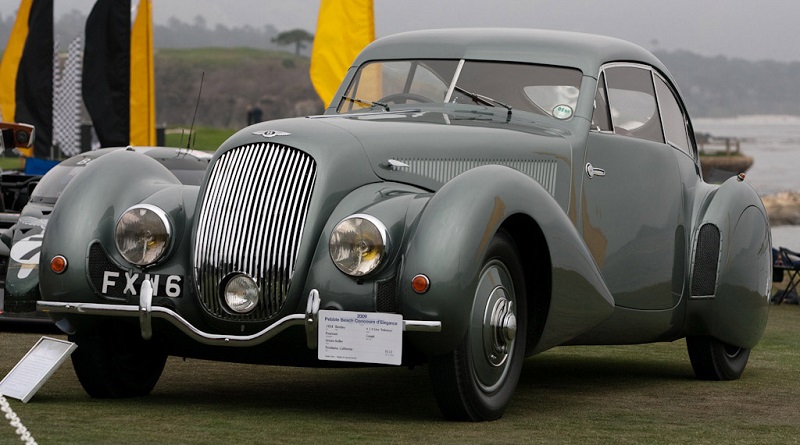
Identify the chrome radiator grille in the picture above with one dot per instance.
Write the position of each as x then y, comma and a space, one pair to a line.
251, 221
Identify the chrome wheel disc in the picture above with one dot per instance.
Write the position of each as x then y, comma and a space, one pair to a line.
493, 328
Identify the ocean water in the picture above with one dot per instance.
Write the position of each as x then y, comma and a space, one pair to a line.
774, 144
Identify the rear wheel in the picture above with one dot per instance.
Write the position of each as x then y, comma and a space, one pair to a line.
714, 360
114, 362
477, 380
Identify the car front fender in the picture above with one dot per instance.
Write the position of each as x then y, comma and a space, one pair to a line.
449, 241
87, 211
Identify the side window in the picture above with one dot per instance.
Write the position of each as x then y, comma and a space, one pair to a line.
600, 119
672, 117
632, 102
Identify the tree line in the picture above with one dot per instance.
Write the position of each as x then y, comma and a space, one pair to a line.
712, 86
179, 34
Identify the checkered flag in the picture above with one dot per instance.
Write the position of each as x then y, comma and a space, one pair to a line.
67, 102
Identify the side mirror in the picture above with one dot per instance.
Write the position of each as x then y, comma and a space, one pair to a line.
20, 136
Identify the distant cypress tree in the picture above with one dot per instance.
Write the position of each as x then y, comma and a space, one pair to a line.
297, 37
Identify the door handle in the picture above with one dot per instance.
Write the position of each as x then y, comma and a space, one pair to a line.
593, 171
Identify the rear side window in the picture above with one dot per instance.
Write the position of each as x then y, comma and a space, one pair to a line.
672, 117
632, 102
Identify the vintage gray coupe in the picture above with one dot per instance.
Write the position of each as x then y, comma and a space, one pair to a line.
469, 198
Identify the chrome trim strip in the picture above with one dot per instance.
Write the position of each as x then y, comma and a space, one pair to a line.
373, 113
119, 310
145, 312
453, 82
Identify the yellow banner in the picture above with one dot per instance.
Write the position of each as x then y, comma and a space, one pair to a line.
10, 62
344, 28
143, 92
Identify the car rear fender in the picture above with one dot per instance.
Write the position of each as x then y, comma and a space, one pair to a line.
731, 267
450, 239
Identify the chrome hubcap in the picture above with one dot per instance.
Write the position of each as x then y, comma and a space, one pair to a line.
494, 326
502, 327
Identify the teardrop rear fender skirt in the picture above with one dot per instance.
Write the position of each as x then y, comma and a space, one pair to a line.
737, 311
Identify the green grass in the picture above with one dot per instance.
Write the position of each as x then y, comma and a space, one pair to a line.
613, 394
9, 163
203, 138
224, 57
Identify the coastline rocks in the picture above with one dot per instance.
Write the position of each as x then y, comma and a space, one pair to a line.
723, 167
783, 208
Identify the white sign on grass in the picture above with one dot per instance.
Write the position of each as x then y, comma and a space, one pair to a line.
35, 368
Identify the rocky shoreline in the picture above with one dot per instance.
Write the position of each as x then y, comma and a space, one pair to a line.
783, 208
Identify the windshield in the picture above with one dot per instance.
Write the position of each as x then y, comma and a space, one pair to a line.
546, 90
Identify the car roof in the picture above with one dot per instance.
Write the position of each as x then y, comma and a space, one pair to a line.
586, 52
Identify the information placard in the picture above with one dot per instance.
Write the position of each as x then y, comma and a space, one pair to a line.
35, 368
365, 337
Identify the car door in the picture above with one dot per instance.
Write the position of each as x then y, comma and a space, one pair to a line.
631, 203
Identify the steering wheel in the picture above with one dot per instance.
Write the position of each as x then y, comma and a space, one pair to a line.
401, 98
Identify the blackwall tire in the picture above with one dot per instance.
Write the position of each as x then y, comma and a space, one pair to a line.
114, 362
714, 360
477, 380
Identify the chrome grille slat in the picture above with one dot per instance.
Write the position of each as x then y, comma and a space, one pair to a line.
251, 221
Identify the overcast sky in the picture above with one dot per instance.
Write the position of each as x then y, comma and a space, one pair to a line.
748, 29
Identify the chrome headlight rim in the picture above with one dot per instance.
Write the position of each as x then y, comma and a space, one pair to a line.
246, 305
385, 242
168, 229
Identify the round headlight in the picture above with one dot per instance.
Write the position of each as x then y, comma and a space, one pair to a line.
358, 244
241, 294
142, 234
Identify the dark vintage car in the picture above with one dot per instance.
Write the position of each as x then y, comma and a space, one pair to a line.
469, 198
15, 139
20, 244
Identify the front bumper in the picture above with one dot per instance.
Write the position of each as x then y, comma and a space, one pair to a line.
146, 312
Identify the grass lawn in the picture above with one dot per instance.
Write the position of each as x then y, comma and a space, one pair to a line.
203, 138
9, 163
615, 394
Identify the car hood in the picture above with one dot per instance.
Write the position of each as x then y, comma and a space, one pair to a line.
428, 149
425, 149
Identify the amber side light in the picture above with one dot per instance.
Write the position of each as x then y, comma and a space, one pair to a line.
420, 284
58, 264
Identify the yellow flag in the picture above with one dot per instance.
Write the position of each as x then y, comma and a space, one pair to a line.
10, 62
143, 93
344, 28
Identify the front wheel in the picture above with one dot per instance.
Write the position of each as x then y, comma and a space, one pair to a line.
714, 360
114, 362
477, 380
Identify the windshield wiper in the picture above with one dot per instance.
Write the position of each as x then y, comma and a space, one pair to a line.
486, 100
367, 102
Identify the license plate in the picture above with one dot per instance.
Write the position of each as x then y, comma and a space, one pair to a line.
130, 283
364, 337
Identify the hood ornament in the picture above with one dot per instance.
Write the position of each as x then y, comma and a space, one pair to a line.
271, 133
